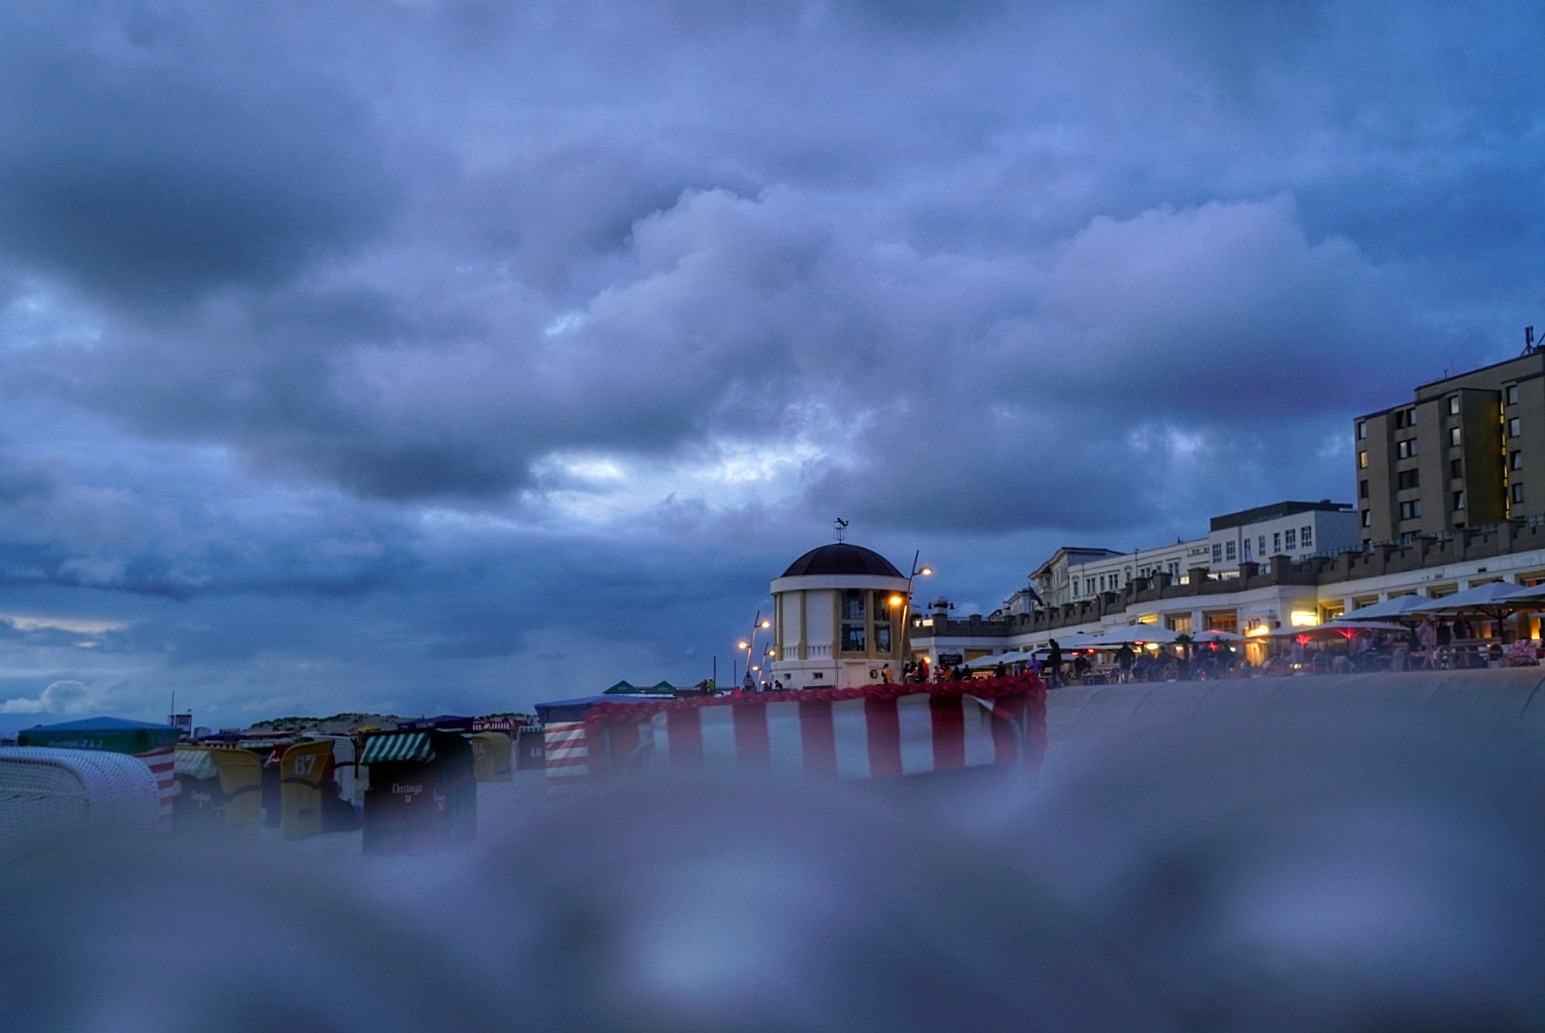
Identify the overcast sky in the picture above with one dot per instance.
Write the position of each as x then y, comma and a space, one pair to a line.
448, 357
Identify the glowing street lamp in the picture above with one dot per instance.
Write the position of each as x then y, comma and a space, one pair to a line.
905, 602
750, 644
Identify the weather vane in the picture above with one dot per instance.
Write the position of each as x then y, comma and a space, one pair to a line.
841, 529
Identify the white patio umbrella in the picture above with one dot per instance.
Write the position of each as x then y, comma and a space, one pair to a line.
1217, 635
1077, 640
994, 659
1495, 601
1494, 595
1110, 639
1409, 606
1338, 626
1135, 633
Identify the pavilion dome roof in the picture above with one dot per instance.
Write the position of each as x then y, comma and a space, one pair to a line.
840, 558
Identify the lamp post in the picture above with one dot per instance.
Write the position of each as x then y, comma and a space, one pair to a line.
905, 602
750, 644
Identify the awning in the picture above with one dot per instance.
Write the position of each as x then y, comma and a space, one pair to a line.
194, 762
406, 746
112, 734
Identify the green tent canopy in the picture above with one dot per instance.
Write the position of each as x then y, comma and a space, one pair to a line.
109, 734
627, 688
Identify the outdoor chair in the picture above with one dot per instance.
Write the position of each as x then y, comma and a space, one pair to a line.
50, 796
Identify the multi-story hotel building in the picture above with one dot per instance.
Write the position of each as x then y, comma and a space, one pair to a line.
1466, 451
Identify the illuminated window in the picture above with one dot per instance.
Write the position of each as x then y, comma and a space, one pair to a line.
1223, 621
1454, 436
1362, 460
1453, 405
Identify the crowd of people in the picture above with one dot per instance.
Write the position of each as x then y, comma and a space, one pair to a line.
1430, 645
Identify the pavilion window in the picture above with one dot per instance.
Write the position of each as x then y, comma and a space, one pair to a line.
854, 634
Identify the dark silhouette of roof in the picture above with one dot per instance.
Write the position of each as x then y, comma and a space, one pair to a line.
842, 558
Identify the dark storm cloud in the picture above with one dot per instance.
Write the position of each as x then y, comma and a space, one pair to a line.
588, 203
146, 521
142, 169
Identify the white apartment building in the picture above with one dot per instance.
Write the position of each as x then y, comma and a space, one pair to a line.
1293, 529
1296, 530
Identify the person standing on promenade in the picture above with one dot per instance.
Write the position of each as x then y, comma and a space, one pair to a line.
1124, 659
1054, 666
1427, 638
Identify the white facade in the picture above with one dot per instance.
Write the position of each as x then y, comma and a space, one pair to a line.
1053, 581
1298, 531
1112, 573
1295, 535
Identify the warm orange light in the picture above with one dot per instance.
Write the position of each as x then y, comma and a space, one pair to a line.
765, 624
742, 644
894, 600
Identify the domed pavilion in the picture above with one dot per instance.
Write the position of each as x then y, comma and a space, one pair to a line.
838, 619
